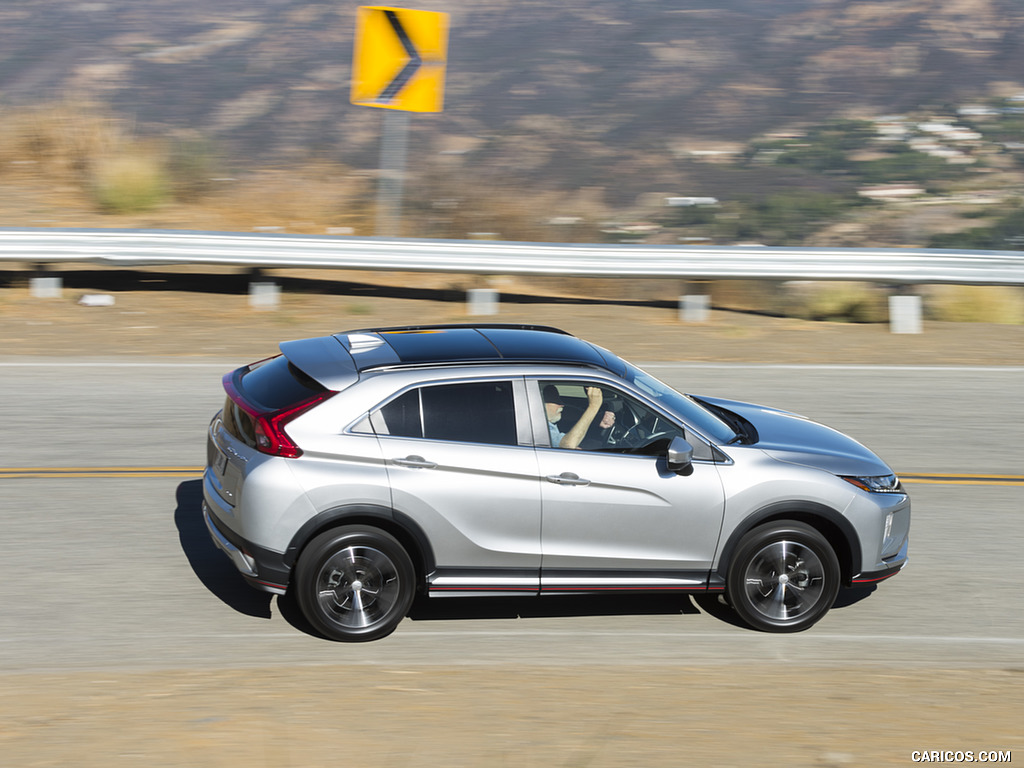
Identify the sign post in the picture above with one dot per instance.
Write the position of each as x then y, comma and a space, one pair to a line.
398, 64
393, 142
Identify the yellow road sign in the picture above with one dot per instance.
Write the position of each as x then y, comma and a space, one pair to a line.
399, 60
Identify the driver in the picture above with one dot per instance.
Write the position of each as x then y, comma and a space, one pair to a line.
553, 407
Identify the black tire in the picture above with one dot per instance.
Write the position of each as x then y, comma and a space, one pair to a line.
784, 577
355, 583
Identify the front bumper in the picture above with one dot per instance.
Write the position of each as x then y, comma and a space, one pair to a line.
893, 564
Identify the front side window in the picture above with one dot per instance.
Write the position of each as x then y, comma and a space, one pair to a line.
476, 412
583, 416
697, 415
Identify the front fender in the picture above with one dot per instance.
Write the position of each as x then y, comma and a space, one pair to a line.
834, 526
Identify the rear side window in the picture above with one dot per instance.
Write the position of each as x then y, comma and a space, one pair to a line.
402, 416
481, 412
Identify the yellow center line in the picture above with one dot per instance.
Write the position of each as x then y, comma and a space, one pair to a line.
102, 469
38, 473
1005, 480
940, 475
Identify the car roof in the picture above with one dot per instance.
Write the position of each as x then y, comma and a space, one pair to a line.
491, 343
431, 345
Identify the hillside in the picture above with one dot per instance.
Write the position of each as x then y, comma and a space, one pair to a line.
626, 97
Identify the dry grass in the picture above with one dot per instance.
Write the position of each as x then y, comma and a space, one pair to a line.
310, 198
459, 205
82, 145
1000, 304
73, 163
844, 302
60, 140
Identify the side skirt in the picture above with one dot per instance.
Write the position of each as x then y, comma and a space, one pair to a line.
482, 582
555, 581
496, 582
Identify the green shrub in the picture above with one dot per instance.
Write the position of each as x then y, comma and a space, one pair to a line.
837, 302
905, 164
129, 182
826, 148
1006, 234
782, 218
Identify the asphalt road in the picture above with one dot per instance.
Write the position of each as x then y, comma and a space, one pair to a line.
117, 573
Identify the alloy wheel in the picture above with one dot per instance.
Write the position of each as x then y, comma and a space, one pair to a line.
784, 580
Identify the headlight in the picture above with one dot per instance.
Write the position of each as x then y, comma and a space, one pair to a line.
876, 484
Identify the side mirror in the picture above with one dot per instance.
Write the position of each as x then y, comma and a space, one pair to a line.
680, 455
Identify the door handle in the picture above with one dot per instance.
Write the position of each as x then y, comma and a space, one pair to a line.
416, 462
567, 478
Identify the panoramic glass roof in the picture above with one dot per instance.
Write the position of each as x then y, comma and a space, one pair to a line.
452, 344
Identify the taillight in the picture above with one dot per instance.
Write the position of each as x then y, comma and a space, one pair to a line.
268, 426
270, 435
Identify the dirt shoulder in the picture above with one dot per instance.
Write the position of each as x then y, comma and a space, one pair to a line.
154, 316
456, 716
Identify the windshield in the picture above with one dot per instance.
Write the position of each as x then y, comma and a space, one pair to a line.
694, 414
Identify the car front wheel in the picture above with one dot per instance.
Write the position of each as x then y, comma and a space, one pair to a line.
784, 577
355, 583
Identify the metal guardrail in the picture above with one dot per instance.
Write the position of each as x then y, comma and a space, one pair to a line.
123, 248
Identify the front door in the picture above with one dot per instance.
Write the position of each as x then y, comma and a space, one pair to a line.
614, 517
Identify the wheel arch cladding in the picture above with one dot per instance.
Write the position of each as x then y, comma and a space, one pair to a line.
836, 529
402, 527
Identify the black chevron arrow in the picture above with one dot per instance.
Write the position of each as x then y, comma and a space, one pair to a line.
414, 63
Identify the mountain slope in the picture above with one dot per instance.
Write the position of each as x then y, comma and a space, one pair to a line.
610, 94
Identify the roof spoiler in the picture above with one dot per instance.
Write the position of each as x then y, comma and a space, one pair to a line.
324, 359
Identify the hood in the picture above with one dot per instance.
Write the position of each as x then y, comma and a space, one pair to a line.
796, 439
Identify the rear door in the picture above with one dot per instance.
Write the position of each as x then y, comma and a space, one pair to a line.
461, 464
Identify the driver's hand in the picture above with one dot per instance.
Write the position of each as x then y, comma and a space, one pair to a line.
608, 420
595, 396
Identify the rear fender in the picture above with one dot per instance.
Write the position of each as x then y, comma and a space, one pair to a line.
397, 524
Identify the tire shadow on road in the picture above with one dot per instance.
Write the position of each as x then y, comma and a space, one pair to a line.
483, 608
428, 609
549, 606
208, 563
848, 597
715, 605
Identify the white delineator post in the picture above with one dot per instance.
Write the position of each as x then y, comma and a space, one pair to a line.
905, 314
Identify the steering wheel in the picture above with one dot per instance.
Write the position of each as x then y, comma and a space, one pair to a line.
630, 437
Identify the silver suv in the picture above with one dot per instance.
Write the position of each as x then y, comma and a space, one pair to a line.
359, 469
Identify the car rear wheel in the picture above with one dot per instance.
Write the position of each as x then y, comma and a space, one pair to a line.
784, 577
355, 583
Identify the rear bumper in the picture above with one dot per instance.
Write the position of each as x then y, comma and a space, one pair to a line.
261, 568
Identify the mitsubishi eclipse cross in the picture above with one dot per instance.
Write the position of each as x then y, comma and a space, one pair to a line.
360, 469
